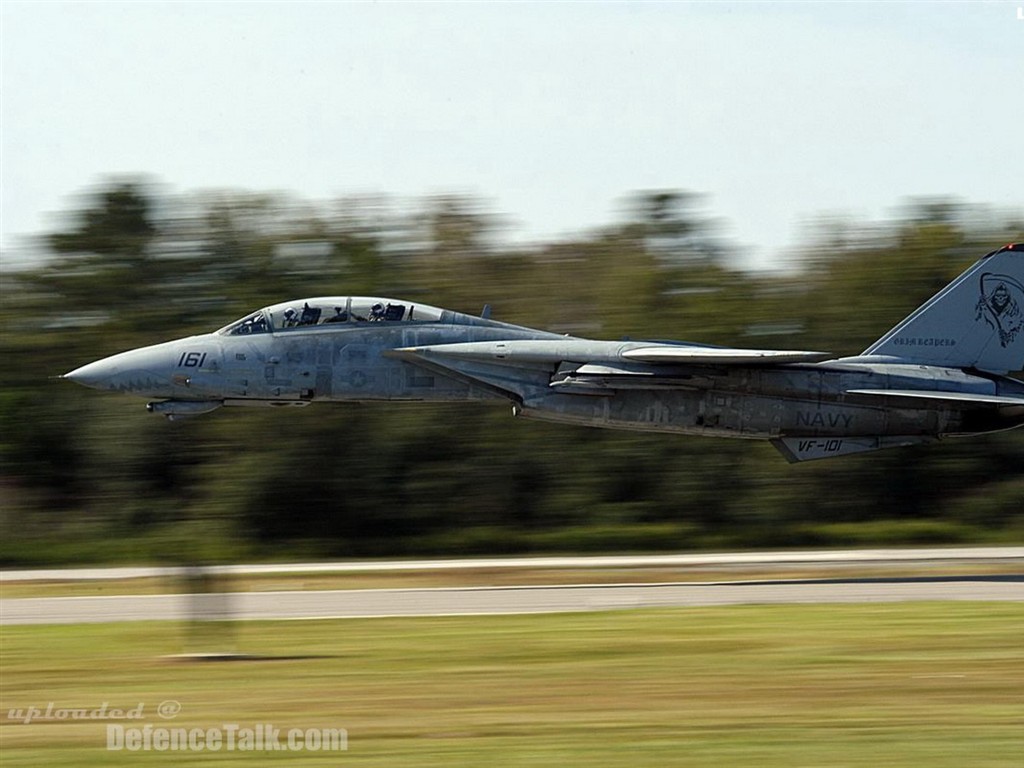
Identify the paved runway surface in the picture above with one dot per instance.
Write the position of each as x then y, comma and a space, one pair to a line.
500, 600
852, 557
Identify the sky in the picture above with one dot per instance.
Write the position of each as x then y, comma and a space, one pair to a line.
778, 113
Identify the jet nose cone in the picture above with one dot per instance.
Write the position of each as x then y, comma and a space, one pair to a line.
96, 375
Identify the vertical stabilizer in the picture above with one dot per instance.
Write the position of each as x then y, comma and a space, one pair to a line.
977, 321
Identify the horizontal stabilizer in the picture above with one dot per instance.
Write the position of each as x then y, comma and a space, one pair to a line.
962, 398
722, 356
797, 449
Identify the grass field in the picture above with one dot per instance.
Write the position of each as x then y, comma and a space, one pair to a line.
921, 684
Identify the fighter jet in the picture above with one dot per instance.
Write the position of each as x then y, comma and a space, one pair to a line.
942, 372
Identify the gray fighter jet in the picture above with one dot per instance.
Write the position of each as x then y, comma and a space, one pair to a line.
941, 372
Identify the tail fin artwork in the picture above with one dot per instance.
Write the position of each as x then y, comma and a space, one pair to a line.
977, 321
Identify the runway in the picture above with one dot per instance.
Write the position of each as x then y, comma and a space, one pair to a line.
716, 560
467, 601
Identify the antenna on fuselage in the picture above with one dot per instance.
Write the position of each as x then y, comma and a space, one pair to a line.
485, 313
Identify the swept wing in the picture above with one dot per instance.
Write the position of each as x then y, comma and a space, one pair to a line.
722, 355
583, 366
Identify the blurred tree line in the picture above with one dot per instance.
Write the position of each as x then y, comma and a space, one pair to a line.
93, 477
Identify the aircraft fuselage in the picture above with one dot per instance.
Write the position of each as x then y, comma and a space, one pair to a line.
353, 364
942, 371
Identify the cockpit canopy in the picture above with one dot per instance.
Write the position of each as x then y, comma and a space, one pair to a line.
322, 311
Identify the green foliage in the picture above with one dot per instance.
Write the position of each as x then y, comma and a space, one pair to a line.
89, 477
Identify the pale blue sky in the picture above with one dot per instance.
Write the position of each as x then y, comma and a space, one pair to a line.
552, 112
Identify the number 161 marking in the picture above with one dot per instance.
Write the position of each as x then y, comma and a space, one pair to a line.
191, 359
